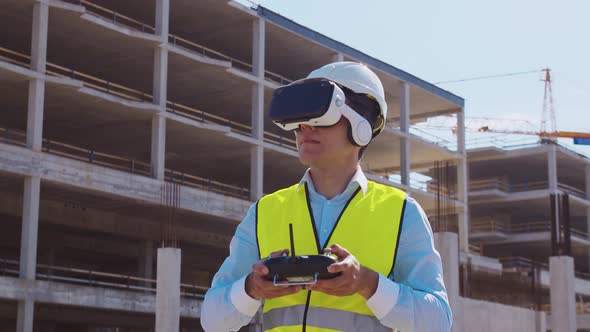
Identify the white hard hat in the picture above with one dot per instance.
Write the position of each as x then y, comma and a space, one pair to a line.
356, 77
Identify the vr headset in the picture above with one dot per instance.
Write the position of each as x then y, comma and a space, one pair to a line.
320, 102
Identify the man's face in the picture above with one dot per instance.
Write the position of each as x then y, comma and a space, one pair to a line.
322, 146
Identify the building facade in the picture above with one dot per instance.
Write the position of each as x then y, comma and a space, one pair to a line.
126, 126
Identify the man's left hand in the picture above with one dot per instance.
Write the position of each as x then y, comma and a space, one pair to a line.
355, 278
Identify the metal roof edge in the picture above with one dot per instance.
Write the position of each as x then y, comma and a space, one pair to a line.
347, 50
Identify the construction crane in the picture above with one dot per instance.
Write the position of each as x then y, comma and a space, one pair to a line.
548, 122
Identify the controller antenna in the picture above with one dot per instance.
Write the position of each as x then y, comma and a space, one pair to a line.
291, 238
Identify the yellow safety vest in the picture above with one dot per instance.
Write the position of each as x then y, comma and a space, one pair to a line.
368, 227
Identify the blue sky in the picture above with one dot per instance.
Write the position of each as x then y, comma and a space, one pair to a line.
455, 39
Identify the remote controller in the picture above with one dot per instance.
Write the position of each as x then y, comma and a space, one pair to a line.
299, 270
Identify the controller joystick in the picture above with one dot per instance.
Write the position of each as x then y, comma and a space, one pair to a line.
299, 270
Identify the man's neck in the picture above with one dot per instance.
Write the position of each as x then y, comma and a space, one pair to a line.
331, 181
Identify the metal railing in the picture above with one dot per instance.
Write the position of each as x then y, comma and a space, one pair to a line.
173, 39
524, 264
488, 226
210, 53
515, 142
15, 58
207, 184
449, 192
520, 264
484, 225
96, 278
431, 138
581, 307
476, 249
488, 184
113, 16
98, 84
504, 142
136, 95
505, 186
17, 137
541, 226
14, 137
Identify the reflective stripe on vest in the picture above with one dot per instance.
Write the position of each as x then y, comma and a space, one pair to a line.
368, 227
328, 319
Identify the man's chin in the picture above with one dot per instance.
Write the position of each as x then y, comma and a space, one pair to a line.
305, 161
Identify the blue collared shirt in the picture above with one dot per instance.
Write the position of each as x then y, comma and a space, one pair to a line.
412, 298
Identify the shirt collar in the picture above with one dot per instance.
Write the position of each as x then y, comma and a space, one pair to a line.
358, 177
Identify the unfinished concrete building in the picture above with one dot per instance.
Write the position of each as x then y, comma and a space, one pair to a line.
130, 125
528, 203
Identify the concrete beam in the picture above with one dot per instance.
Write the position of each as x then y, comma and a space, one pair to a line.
90, 297
149, 38
90, 219
82, 175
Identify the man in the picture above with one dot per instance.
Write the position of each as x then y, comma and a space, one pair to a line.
391, 274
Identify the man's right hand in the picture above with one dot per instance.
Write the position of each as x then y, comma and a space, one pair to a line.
257, 287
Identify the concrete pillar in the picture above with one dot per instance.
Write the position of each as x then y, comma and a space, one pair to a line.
39, 37
35, 114
540, 321
28, 250
552, 169
462, 184
337, 57
162, 18
404, 118
30, 226
258, 46
257, 151
25, 315
158, 155
588, 208
160, 84
447, 245
37, 86
562, 292
256, 172
35, 106
168, 290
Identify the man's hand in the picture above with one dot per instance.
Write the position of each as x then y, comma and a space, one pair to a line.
354, 279
257, 287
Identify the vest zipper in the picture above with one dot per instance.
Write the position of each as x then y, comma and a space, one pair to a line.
305, 312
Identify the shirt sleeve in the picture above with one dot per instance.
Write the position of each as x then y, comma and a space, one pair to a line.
227, 306
414, 297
